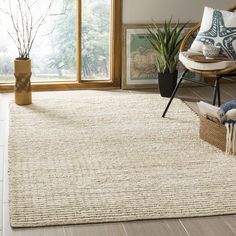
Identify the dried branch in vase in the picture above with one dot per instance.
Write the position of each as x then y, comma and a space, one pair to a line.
25, 24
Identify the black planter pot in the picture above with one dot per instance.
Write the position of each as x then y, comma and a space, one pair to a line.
167, 83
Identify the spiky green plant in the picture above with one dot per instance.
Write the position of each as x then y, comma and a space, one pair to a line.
166, 41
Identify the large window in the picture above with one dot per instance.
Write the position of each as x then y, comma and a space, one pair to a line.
96, 24
76, 43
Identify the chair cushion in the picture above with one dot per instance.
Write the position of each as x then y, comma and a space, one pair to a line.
189, 63
218, 28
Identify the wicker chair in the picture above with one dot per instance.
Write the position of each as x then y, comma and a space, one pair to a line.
216, 74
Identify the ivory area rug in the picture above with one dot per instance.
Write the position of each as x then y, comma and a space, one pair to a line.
111, 157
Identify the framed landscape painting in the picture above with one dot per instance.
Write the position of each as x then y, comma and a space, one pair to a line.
139, 58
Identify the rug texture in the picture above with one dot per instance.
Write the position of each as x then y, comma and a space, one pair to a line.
104, 158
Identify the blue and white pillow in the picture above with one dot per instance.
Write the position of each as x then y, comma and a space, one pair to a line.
217, 28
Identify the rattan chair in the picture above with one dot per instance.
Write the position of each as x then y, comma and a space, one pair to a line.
217, 75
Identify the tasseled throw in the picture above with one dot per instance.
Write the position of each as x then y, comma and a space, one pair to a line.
231, 138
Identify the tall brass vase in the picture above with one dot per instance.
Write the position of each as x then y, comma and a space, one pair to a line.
23, 91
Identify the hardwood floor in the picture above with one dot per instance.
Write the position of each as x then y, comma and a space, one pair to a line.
202, 226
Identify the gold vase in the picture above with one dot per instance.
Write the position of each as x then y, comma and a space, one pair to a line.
23, 91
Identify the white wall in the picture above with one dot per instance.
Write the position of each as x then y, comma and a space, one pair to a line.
143, 11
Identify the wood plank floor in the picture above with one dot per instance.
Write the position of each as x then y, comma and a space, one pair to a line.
202, 226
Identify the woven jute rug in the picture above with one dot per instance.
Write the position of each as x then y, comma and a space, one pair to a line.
104, 158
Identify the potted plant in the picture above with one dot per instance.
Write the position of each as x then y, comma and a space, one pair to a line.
166, 41
25, 29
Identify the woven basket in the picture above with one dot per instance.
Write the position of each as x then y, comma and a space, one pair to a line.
213, 133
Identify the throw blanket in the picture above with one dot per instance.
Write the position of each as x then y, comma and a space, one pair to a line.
231, 129
231, 138
210, 111
226, 107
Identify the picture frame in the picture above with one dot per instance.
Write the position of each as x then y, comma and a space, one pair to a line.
139, 58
